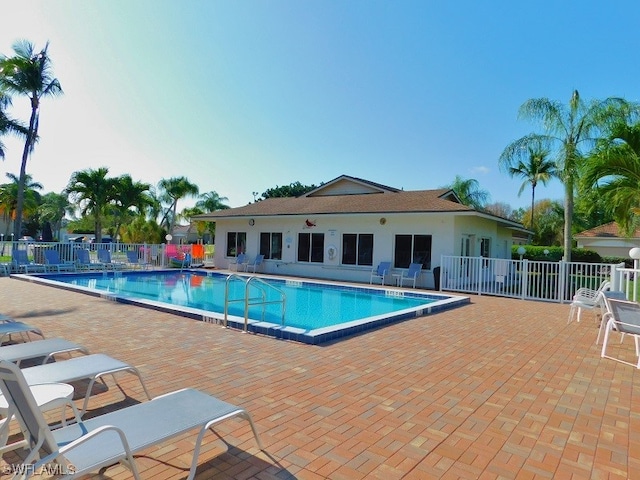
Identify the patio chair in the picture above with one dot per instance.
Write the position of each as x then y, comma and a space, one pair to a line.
95, 444
53, 262
606, 296
379, 273
623, 317
46, 349
8, 328
587, 299
255, 264
239, 262
89, 367
411, 275
21, 262
104, 257
135, 261
83, 257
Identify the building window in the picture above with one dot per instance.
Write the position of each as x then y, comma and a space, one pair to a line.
357, 249
311, 247
412, 249
485, 247
236, 243
271, 245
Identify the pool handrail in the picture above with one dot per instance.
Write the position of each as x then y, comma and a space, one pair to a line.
248, 301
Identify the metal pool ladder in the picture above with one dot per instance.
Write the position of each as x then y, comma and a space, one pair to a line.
261, 299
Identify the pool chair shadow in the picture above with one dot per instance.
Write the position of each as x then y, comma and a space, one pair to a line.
102, 441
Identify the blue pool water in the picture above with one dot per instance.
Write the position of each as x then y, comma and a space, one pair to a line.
310, 308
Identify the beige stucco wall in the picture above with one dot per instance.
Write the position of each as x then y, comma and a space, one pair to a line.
446, 230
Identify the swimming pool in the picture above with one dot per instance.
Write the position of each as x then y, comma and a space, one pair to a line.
312, 312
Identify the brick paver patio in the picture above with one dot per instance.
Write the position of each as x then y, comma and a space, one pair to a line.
499, 389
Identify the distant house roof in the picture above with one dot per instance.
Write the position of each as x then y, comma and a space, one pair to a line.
351, 195
608, 230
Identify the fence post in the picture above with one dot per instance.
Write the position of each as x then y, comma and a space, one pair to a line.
524, 278
562, 280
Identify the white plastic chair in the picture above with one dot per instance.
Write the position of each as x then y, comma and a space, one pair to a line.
587, 299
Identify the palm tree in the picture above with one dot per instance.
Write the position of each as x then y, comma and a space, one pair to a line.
7, 124
211, 201
174, 189
93, 192
613, 171
53, 209
569, 134
9, 198
128, 194
469, 192
534, 168
29, 74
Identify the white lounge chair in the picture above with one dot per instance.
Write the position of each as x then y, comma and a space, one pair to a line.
587, 299
411, 275
90, 367
381, 272
623, 317
102, 441
8, 328
46, 348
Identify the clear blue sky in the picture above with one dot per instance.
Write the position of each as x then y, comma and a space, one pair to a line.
241, 96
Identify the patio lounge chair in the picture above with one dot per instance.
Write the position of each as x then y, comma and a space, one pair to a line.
117, 436
134, 261
21, 262
255, 264
46, 348
379, 273
84, 262
411, 275
53, 262
623, 317
8, 328
587, 299
104, 257
89, 367
606, 296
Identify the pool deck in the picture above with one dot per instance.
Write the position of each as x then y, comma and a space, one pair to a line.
498, 389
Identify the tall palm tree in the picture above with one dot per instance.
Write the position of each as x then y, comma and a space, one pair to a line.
28, 73
211, 201
613, 171
9, 198
7, 124
174, 189
533, 168
570, 132
128, 195
469, 192
93, 191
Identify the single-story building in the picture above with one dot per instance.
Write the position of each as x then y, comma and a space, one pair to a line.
608, 241
347, 226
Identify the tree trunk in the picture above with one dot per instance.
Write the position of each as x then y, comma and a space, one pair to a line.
568, 218
17, 225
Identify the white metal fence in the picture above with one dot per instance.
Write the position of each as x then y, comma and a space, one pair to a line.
155, 255
526, 279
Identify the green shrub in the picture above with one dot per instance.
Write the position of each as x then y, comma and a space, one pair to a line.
536, 252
